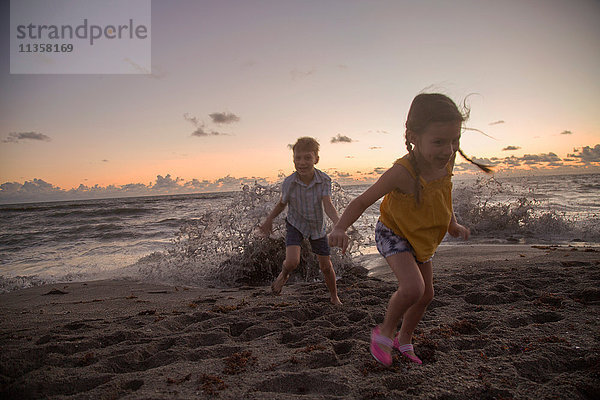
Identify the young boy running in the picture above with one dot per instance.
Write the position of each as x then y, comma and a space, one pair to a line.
307, 192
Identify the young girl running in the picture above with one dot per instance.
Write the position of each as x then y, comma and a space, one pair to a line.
416, 213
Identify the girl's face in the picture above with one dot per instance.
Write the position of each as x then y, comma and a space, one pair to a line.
437, 144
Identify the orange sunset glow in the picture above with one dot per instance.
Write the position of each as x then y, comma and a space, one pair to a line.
233, 83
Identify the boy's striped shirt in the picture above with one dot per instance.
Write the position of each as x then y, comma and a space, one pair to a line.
305, 203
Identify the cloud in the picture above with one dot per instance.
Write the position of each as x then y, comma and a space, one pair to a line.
379, 131
298, 74
137, 67
166, 184
248, 64
341, 139
540, 158
530, 160
192, 119
200, 127
224, 118
512, 161
566, 133
39, 190
156, 73
587, 154
509, 148
341, 174
36, 189
15, 137
200, 132
497, 122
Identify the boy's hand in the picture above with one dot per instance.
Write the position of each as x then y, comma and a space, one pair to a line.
266, 227
457, 230
338, 238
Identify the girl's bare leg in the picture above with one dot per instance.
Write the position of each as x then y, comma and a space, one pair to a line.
413, 315
411, 288
292, 259
329, 275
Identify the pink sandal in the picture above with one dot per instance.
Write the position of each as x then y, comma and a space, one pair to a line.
377, 352
404, 349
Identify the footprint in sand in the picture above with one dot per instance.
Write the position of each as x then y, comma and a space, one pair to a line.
133, 385
259, 330
535, 369
205, 339
545, 317
518, 321
236, 329
343, 348
483, 298
304, 383
356, 315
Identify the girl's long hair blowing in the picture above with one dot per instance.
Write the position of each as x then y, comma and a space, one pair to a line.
425, 109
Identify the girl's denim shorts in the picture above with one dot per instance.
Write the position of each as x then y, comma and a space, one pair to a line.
388, 243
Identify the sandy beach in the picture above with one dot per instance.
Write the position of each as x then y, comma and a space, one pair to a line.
507, 321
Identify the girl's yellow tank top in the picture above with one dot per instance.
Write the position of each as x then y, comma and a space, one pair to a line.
424, 225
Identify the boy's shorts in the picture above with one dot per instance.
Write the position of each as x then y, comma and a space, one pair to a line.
388, 243
294, 237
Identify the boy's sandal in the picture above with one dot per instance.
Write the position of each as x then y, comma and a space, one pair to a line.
404, 349
377, 352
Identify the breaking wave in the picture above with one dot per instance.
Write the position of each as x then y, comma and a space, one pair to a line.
222, 246
211, 239
498, 209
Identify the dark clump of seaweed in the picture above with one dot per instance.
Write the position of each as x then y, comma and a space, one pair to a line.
258, 259
259, 262
238, 362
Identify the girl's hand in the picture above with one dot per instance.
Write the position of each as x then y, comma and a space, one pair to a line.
338, 238
457, 230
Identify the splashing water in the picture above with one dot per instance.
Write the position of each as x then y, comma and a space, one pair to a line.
492, 208
210, 238
222, 246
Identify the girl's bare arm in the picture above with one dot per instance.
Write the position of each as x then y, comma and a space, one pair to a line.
455, 229
394, 178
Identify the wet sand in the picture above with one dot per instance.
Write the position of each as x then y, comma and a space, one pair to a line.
507, 322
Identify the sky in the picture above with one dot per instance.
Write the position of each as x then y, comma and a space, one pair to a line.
233, 83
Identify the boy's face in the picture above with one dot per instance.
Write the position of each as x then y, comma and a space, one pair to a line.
305, 161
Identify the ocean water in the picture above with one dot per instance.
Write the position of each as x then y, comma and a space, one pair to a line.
210, 238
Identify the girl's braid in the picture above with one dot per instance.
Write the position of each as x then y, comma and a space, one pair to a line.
483, 167
413, 163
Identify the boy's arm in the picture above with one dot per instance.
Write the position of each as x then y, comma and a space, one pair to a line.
330, 209
267, 226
